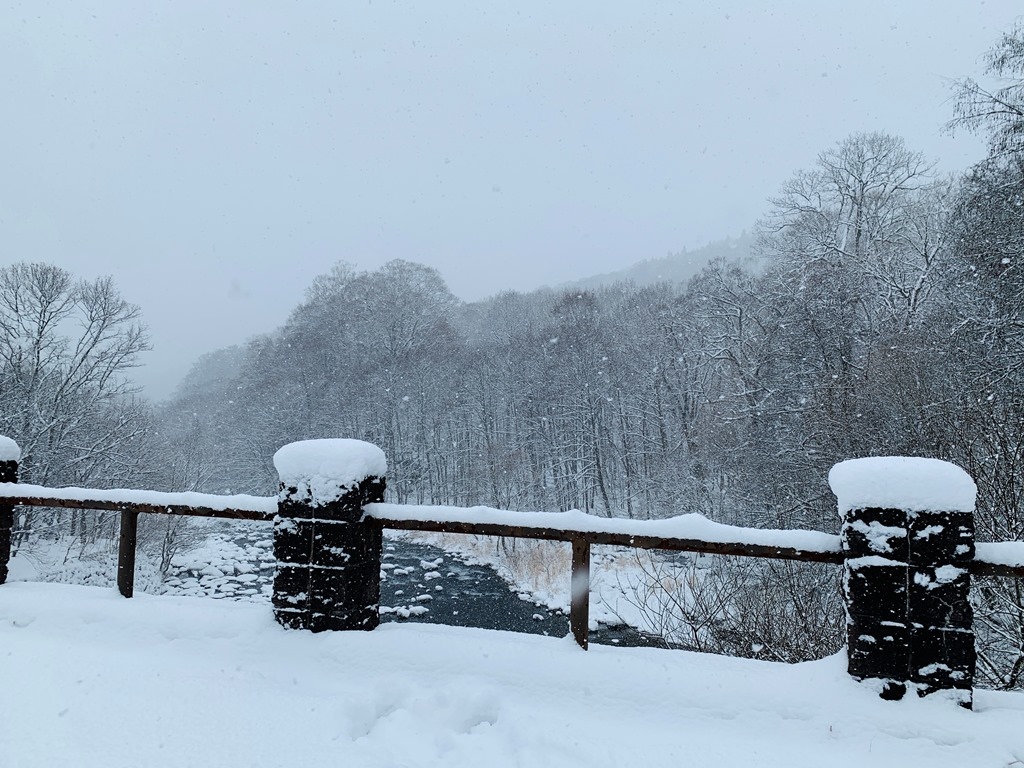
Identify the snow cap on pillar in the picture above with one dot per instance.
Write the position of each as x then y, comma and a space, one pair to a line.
902, 482
321, 471
9, 450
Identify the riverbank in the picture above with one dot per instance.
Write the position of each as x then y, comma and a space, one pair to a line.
424, 578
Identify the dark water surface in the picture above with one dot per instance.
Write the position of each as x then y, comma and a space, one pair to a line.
463, 594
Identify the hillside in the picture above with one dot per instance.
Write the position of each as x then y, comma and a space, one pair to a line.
674, 268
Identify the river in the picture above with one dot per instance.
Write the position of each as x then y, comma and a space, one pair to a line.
465, 594
421, 583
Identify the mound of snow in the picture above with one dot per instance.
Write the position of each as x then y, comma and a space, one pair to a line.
323, 470
902, 482
9, 450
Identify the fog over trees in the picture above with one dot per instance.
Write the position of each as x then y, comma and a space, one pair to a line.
881, 314
864, 326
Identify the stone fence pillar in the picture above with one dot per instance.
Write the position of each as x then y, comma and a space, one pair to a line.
328, 559
10, 455
908, 538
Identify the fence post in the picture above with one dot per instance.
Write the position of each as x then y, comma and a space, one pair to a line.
328, 557
579, 605
908, 537
126, 546
10, 455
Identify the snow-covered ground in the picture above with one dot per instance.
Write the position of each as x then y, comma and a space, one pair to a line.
95, 681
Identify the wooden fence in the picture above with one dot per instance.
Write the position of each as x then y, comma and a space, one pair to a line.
389, 517
328, 552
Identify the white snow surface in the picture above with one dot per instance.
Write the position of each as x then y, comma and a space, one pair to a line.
9, 450
96, 681
267, 504
902, 482
691, 526
322, 470
1000, 553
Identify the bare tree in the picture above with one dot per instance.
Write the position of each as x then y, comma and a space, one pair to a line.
65, 346
997, 109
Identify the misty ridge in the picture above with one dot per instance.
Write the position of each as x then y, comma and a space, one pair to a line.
874, 310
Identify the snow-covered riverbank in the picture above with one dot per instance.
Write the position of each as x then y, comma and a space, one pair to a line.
459, 580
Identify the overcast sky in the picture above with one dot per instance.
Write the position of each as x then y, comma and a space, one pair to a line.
214, 157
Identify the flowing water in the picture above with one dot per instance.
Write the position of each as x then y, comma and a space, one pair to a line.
420, 583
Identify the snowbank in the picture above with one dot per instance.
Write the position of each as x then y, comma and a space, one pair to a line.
902, 482
95, 681
323, 469
690, 526
9, 450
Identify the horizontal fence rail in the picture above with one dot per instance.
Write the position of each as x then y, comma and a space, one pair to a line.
992, 559
237, 507
999, 558
1005, 559
669, 534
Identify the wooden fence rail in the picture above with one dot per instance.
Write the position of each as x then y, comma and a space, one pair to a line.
581, 541
67, 501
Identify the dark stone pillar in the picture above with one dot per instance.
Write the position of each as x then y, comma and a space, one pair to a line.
328, 559
8, 474
906, 582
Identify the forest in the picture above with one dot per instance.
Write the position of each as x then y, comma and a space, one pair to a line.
880, 313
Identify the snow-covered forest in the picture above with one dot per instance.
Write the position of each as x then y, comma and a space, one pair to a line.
879, 313
879, 316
